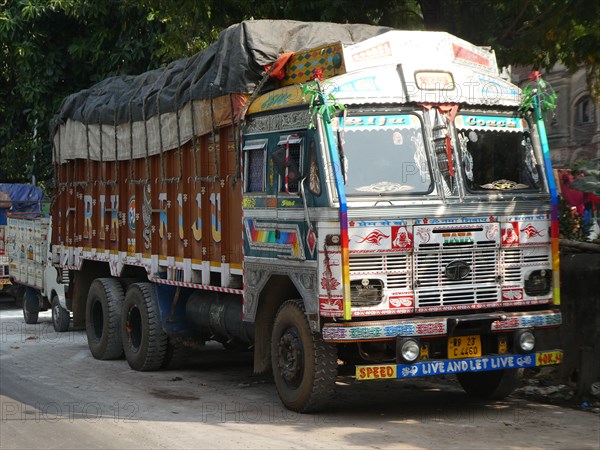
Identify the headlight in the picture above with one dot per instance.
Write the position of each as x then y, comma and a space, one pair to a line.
407, 350
524, 341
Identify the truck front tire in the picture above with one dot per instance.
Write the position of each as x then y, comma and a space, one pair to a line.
103, 318
304, 367
60, 316
31, 306
144, 341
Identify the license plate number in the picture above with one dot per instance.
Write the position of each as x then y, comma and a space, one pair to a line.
464, 347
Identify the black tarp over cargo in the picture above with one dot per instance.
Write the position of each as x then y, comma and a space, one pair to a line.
234, 64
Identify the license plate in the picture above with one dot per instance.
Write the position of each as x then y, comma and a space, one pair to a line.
464, 347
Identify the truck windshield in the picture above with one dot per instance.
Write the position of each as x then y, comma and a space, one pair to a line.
384, 155
497, 154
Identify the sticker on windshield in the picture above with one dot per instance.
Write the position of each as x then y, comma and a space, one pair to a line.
376, 122
495, 123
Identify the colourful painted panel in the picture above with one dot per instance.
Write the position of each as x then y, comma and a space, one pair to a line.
433, 327
280, 98
302, 65
177, 205
444, 367
280, 239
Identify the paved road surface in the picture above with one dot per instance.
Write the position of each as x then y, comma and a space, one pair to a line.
53, 394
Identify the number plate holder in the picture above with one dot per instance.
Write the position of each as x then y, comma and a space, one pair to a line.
460, 347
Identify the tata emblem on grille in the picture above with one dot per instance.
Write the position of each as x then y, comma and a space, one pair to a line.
457, 270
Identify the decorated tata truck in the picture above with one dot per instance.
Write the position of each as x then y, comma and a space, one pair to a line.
328, 196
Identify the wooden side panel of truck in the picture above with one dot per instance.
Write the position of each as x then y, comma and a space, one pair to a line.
182, 204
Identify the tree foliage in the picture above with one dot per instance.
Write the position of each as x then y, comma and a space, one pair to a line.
51, 48
588, 176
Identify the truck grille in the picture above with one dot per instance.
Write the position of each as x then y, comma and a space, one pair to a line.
516, 259
433, 288
389, 271
451, 266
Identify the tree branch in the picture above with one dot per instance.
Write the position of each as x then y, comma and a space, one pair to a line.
514, 23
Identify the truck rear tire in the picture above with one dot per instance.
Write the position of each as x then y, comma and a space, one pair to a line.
144, 341
60, 316
103, 318
304, 367
493, 385
176, 356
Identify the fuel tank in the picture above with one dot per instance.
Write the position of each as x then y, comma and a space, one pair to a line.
218, 316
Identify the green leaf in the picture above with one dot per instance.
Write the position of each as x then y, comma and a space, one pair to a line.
588, 183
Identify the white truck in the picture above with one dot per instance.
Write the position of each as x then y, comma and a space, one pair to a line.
31, 271
15, 199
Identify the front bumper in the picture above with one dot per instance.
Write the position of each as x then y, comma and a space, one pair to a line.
346, 332
452, 366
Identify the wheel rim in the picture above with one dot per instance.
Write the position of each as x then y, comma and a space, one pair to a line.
134, 328
291, 357
97, 319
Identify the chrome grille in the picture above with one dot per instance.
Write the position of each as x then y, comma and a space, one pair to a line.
515, 259
391, 269
434, 288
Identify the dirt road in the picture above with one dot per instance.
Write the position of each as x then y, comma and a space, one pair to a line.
53, 394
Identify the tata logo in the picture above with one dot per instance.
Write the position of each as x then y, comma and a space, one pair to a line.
457, 270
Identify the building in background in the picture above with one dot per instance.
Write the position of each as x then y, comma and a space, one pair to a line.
574, 131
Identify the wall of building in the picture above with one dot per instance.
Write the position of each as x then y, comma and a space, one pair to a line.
574, 129
580, 332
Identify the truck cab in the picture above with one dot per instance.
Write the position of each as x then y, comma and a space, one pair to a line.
436, 177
